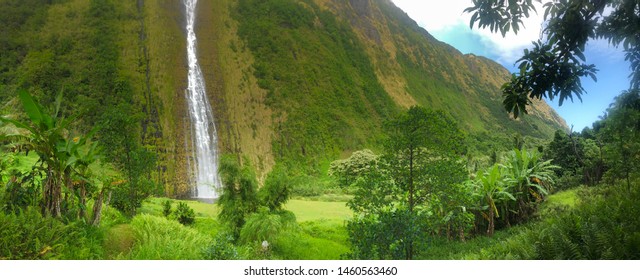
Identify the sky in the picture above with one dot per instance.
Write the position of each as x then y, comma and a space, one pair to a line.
451, 25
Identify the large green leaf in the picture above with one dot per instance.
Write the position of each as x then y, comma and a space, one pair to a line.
31, 107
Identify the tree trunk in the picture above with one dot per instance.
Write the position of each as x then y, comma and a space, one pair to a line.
491, 223
83, 202
411, 190
97, 210
52, 194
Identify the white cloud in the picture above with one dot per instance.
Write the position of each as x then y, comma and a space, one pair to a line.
606, 50
436, 18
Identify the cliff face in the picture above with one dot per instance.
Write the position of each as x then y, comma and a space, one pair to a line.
396, 44
303, 81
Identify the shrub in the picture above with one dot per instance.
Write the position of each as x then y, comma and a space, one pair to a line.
166, 208
348, 170
128, 197
265, 225
273, 227
239, 193
222, 248
276, 190
184, 214
307, 189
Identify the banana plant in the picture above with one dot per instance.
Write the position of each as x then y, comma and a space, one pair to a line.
491, 189
48, 136
530, 179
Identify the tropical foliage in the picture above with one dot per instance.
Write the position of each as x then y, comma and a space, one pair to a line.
63, 160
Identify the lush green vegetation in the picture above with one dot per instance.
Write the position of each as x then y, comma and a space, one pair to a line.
83, 167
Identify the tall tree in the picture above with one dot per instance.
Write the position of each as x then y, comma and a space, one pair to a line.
239, 196
421, 158
622, 131
555, 64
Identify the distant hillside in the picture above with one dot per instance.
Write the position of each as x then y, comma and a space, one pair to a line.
296, 82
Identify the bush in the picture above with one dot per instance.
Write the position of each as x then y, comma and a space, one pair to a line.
276, 190
306, 189
19, 192
128, 197
184, 214
166, 208
239, 196
347, 171
222, 248
265, 225
568, 180
309, 186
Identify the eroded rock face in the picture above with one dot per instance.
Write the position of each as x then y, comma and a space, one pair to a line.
366, 19
362, 7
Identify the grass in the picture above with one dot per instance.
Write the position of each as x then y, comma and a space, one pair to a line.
157, 238
317, 210
560, 201
119, 241
322, 233
153, 206
567, 198
332, 230
305, 210
329, 197
308, 247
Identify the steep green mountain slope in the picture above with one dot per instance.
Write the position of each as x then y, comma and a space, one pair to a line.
333, 70
416, 68
296, 82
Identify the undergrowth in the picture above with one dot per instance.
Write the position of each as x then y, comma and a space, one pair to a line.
157, 238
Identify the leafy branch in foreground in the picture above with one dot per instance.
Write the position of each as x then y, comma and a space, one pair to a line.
554, 65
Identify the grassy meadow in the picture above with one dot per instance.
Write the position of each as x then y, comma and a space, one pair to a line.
150, 235
321, 234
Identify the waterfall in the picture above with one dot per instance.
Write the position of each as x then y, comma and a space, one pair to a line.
204, 140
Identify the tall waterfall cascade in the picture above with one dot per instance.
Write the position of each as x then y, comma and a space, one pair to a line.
203, 163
